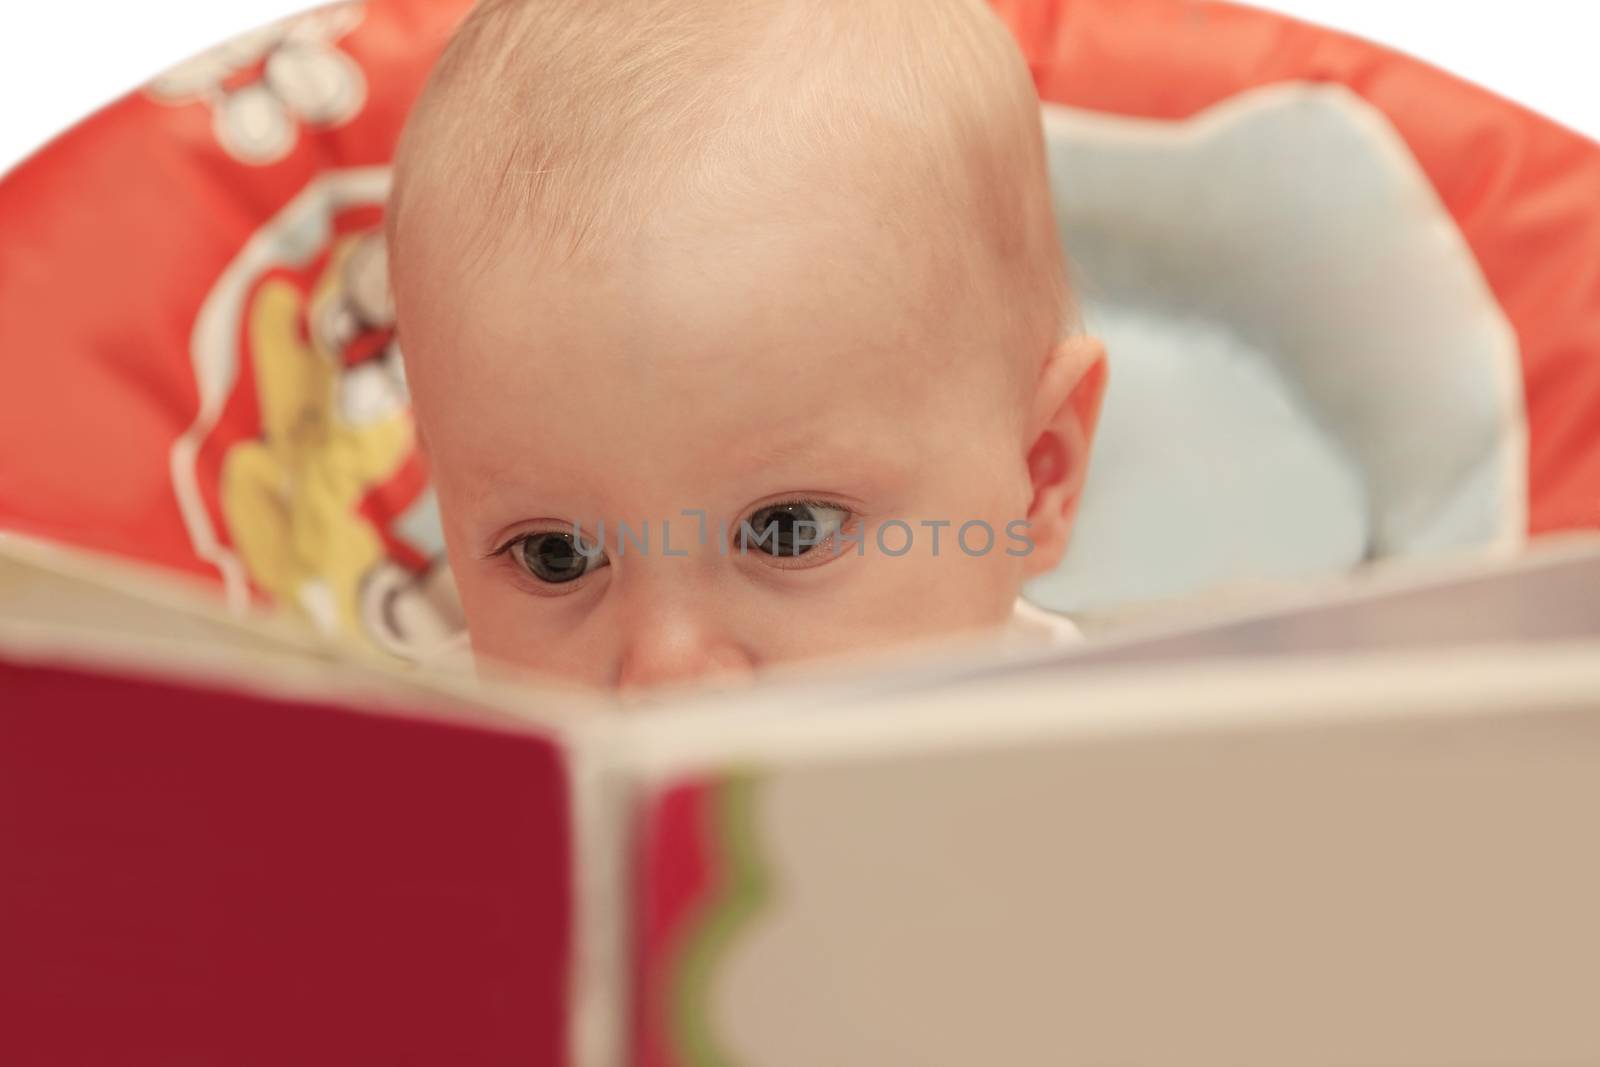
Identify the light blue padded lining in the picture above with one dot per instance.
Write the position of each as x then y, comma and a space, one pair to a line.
1307, 368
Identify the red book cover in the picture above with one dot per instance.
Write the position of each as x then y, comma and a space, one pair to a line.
195, 874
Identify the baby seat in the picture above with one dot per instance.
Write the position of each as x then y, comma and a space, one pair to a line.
1351, 303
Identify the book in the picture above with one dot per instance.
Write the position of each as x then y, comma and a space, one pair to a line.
1342, 826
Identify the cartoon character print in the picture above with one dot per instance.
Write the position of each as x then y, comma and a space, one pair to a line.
264, 85
311, 494
337, 443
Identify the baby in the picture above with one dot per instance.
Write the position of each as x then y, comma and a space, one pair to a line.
737, 330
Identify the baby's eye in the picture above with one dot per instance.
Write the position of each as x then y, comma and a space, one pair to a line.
556, 558
792, 528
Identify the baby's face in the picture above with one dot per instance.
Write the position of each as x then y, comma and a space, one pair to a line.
792, 424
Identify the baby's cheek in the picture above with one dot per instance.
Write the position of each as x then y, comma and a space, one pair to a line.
510, 628
886, 600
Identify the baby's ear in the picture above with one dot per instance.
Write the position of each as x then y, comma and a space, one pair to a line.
1066, 409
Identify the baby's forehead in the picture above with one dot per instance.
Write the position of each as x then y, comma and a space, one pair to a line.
706, 358
670, 392
769, 296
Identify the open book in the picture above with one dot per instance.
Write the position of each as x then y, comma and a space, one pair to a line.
1353, 828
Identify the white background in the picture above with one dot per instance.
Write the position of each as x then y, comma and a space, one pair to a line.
60, 59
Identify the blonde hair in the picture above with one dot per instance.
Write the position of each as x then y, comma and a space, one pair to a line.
577, 123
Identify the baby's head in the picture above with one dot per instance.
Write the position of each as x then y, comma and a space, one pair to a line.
764, 297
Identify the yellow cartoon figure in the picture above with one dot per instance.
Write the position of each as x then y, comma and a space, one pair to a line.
331, 431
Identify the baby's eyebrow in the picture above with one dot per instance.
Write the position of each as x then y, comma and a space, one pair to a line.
778, 453
771, 450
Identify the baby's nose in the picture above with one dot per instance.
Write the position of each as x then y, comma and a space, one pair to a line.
677, 652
